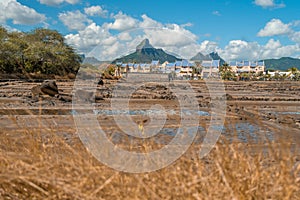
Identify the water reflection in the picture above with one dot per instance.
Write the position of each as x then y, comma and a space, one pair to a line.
240, 132
146, 112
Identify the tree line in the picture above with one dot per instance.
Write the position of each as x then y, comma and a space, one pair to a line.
41, 51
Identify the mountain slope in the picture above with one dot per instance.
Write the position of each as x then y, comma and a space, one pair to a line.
91, 60
282, 64
215, 56
212, 56
200, 56
145, 53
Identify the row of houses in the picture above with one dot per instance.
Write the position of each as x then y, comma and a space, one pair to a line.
187, 69
247, 66
183, 68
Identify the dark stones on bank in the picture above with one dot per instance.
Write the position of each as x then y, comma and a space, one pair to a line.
49, 89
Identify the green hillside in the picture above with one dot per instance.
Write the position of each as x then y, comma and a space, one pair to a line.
282, 64
145, 53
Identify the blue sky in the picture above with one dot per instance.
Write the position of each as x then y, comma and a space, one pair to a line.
247, 29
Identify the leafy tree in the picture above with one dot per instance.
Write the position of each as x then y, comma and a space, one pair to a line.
295, 73
12, 48
226, 72
40, 51
293, 70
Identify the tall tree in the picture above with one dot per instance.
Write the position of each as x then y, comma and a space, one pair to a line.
42, 50
226, 72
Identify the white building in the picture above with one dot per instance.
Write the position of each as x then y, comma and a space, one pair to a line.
247, 66
210, 68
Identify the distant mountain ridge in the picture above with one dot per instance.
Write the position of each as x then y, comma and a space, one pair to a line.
212, 56
145, 53
91, 60
282, 64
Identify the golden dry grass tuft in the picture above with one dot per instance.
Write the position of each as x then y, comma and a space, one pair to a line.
36, 167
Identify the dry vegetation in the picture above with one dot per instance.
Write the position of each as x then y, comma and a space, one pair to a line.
52, 163
35, 166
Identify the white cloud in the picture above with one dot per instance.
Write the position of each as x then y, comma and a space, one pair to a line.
207, 47
109, 41
274, 27
268, 4
57, 2
217, 13
74, 20
295, 37
170, 35
278, 51
273, 44
20, 14
149, 23
123, 22
86, 39
186, 25
125, 36
95, 11
242, 50
166, 35
98, 41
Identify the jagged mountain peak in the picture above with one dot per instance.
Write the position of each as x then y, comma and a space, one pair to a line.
200, 56
145, 53
211, 56
145, 44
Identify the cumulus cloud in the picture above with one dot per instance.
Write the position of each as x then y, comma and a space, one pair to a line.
57, 2
125, 36
207, 47
100, 42
273, 44
88, 38
242, 50
149, 23
74, 20
274, 27
268, 4
295, 37
112, 48
20, 14
170, 35
166, 35
95, 11
274, 49
97, 40
123, 22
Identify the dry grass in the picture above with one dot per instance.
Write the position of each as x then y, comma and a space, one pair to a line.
34, 167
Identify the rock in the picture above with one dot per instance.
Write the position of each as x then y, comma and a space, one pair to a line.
71, 76
229, 97
98, 97
36, 91
64, 98
100, 82
84, 96
49, 87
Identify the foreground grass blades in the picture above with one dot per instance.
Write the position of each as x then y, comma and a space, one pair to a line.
35, 167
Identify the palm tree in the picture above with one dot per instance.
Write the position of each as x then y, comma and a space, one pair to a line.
293, 70
226, 72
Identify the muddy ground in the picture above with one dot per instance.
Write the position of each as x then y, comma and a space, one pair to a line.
256, 112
